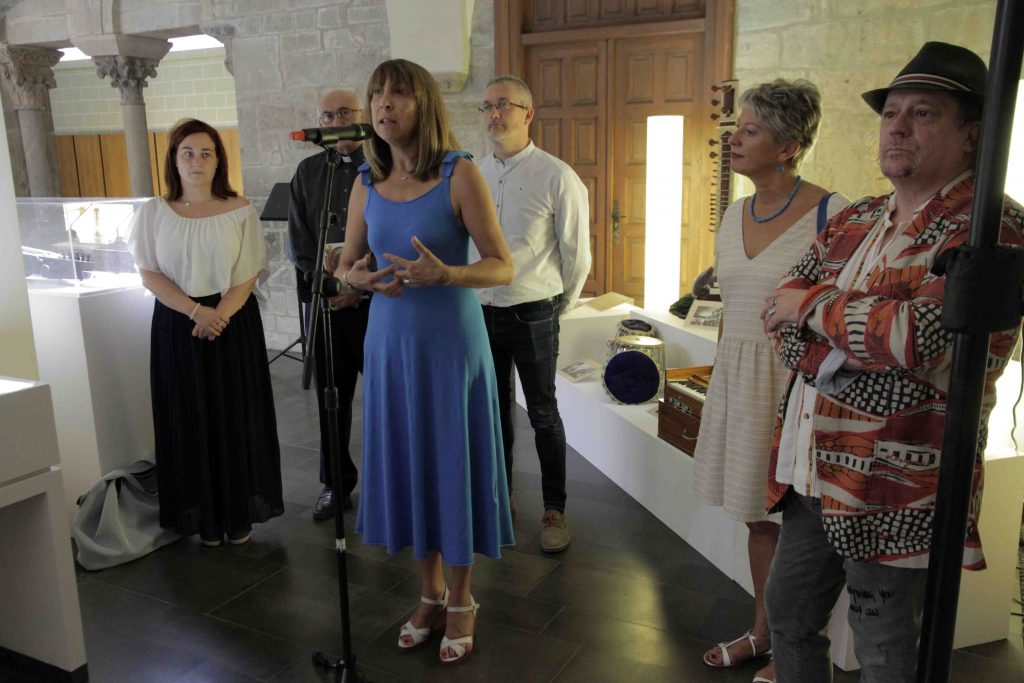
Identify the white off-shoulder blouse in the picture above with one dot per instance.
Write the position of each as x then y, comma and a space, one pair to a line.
202, 256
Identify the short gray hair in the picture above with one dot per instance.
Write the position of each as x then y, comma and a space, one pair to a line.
791, 110
516, 81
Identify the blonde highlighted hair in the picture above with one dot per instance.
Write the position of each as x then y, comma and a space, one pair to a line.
790, 110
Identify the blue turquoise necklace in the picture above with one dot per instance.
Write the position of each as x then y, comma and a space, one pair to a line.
785, 205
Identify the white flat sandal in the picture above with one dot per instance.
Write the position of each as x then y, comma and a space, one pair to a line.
419, 636
461, 646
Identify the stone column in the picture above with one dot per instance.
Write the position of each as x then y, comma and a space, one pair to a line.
27, 77
129, 74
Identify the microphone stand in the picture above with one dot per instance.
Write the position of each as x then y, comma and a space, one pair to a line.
325, 286
982, 295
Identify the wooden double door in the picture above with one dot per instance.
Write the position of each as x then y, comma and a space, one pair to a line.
592, 98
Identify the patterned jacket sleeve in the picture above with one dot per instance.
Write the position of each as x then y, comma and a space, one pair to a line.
798, 349
895, 325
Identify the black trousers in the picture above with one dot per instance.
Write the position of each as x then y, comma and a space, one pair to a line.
526, 336
348, 328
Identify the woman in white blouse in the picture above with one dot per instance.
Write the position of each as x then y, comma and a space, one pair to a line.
200, 250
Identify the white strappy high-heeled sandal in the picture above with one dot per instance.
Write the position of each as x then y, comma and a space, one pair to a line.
723, 648
419, 636
462, 647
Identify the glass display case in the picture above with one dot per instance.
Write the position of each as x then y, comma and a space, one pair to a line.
78, 242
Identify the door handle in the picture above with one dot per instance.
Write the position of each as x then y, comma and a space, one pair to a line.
616, 217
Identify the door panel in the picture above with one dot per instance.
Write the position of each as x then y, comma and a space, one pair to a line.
68, 165
654, 76
160, 145
553, 15
115, 165
90, 166
229, 136
569, 83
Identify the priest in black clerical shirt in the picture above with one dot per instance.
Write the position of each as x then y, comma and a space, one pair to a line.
349, 310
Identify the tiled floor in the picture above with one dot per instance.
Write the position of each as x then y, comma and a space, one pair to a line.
628, 601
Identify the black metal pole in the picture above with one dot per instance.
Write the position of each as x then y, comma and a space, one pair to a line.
318, 272
324, 287
346, 666
970, 352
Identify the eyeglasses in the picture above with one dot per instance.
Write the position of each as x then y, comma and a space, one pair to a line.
343, 113
503, 106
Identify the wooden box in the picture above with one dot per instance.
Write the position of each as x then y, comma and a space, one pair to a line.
679, 412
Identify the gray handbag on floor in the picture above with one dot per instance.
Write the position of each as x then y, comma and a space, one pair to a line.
119, 518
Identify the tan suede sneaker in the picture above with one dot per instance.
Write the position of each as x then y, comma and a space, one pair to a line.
554, 533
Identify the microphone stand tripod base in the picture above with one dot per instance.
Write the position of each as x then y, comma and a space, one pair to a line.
344, 672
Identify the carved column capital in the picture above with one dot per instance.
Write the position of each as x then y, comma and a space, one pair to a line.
127, 74
27, 74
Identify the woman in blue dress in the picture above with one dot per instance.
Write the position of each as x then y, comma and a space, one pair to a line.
433, 475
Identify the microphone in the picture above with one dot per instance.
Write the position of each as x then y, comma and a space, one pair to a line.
329, 136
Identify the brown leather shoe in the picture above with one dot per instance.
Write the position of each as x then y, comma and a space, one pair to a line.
554, 532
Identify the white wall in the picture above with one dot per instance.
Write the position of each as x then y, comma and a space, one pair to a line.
17, 350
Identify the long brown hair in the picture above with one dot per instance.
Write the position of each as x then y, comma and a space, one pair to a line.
433, 130
221, 187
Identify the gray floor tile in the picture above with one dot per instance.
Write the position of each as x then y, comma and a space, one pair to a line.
627, 601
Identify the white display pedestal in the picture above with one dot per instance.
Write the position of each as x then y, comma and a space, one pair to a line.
40, 620
622, 442
93, 350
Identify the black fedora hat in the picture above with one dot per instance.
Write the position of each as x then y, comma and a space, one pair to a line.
937, 66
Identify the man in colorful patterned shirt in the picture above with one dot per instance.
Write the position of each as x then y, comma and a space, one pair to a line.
855, 463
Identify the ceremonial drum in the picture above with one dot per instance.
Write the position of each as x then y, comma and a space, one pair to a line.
635, 369
639, 328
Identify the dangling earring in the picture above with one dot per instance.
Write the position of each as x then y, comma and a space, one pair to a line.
779, 168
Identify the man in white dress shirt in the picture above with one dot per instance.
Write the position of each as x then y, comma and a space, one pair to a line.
545, 215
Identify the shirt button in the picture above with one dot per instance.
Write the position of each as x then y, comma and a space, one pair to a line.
806, 416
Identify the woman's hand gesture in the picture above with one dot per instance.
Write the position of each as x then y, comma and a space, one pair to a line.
361, 277
425, 271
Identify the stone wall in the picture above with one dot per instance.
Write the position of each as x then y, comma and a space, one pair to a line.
188, 84
846, 48
284, 54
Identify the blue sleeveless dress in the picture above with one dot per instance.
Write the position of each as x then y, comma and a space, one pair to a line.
433, 473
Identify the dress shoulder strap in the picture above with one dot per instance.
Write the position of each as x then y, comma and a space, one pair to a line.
823, 211
364, 173
448, 163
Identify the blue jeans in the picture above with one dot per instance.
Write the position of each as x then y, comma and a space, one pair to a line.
527, 335
886, 604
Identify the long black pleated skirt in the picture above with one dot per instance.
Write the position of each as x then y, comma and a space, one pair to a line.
217, 454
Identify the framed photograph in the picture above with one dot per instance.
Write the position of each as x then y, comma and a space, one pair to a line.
582, 369
706, 314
